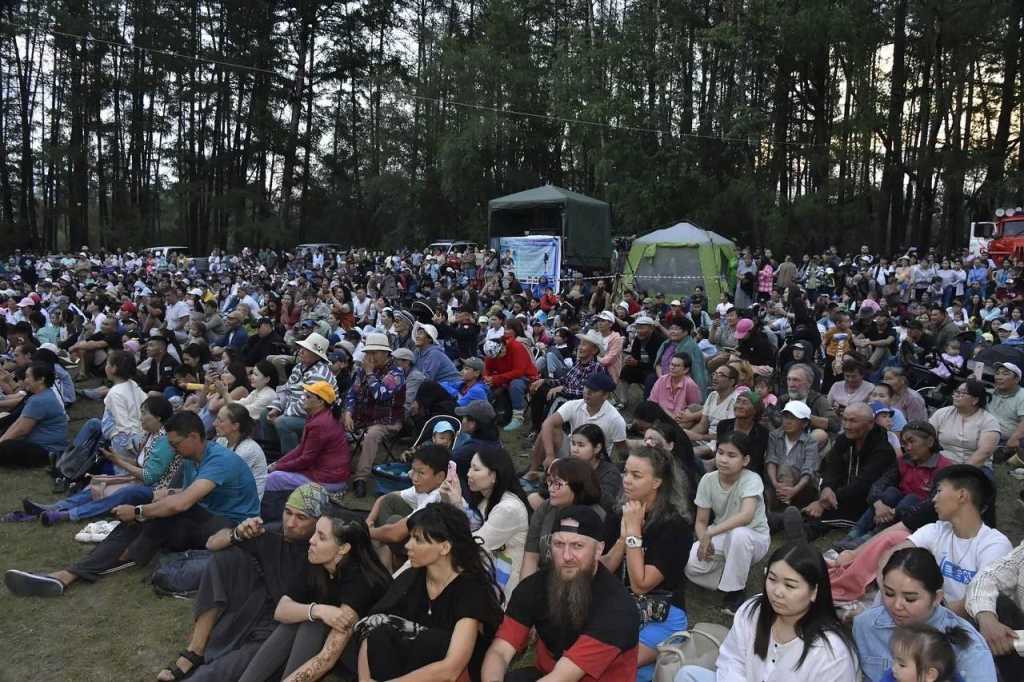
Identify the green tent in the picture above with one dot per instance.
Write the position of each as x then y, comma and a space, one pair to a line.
676, 259
583, 223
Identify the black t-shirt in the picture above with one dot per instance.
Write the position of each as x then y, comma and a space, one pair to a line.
465, 597
666, 547
349, 587
113, 340
279, 561
605, 648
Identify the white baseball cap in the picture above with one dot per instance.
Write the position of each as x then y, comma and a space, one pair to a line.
1009, 367
798, 409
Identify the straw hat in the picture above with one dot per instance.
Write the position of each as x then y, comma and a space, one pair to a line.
376, 341
315, 344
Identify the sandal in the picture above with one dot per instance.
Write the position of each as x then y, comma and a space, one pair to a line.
177, 673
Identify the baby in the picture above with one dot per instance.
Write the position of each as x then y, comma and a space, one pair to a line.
951, 360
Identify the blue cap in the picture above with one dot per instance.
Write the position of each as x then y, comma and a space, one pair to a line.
443, 426
878, 407
600, 381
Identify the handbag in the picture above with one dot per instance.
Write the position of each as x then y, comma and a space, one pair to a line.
653, 606
697, 646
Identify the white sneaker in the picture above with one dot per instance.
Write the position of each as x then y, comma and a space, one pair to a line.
103, 529
86, 534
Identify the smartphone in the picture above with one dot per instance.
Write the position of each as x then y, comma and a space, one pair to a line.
453, 472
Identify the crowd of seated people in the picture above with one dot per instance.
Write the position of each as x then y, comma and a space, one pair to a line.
581, 468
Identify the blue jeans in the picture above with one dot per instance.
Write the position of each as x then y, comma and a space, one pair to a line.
555, 364
289, 432
82, 506
892, 497
517, 393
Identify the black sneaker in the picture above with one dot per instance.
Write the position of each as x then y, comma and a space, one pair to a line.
731, 602
359, 487
34, 508
25, 584
793, 525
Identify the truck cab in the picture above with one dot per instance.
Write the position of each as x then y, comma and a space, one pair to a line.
1001, 238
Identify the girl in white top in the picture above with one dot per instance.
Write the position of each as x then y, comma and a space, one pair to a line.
122, 406
264, 379
496, 509
764, 644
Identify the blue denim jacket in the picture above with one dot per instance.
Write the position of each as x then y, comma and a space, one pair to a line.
872, 631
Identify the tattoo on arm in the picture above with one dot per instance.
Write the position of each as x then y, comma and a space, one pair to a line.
323, 662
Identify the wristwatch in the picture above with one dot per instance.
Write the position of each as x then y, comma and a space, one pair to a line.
634, 542
139, 516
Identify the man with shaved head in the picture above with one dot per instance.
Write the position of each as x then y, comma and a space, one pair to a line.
858, 457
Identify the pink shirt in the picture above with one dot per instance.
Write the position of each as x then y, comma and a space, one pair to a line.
675, 398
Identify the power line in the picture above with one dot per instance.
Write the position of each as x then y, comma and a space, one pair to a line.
407, 95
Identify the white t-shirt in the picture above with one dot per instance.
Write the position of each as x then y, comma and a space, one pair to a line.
575, 414
175, 313
419, 500
716, 410
960, 559
726, 503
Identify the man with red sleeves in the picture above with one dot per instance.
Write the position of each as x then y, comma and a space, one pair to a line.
587, 624
508, 365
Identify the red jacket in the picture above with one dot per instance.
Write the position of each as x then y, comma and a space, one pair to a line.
515, 364
917, 479
323, 454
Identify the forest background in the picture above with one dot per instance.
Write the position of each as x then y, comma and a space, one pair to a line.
793, 124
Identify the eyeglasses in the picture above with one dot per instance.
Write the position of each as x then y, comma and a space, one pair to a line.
555, 483
959, 393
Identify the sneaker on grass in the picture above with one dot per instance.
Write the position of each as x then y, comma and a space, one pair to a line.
25, 584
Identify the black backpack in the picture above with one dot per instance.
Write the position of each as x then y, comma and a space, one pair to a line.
78, 460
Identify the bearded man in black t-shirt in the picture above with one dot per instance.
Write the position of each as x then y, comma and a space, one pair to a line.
587, 624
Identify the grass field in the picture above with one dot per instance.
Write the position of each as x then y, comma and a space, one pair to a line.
119, 629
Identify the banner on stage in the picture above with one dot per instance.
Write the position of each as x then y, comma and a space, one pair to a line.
533, 257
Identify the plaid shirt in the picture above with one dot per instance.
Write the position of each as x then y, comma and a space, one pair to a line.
1004, 577
377, 398
574, 380
291, 397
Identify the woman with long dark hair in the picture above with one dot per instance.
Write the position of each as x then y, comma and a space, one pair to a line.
437, 618
316, 615
912, 595
789, 631
497, 510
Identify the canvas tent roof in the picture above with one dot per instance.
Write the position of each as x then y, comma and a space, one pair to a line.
548, 194
684, 234
583, 223
675, 259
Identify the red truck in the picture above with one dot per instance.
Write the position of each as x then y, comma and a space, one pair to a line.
1000, 238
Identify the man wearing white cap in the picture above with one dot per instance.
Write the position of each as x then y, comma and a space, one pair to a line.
638, 365
1007, 405
791, 463
430, 357
570, 386
376, 403
288, 412
612, 358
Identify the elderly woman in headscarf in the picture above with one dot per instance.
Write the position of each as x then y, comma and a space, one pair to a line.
252, 567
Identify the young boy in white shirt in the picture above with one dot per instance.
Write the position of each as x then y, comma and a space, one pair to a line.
387, 519
960, 541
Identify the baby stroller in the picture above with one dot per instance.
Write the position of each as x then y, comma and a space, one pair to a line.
936, 391
393, 476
